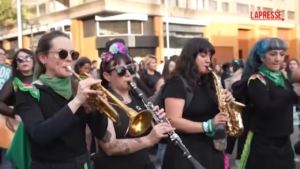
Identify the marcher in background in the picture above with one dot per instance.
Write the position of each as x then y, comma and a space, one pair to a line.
226, 73
293, 66
283, 67
94, 70
150, 76
5, 75
238, 67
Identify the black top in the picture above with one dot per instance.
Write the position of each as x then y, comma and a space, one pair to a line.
56, 134
272, 111
7, 95
150, 80
203, 106
136, 160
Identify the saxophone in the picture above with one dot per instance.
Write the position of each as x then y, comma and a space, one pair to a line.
235, 126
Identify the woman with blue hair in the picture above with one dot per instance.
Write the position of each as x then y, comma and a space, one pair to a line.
268, 116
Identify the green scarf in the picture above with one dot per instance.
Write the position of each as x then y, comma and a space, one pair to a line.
228, 73
274, 76
61, 86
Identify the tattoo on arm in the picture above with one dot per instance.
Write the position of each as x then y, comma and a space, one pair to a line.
121, 147
107, 137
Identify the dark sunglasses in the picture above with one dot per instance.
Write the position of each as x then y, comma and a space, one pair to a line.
27, 58
63, 54
121, 70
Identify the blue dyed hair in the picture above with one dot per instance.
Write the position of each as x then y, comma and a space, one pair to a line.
259, 51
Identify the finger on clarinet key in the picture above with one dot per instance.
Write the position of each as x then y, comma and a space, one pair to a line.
156, 108
162, 115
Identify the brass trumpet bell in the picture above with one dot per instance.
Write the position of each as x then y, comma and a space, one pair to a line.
139, 122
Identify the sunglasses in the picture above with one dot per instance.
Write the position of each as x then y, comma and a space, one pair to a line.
121, 70
23, 59
63, 54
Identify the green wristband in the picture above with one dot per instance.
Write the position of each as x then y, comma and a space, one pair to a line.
212, 128
205, 126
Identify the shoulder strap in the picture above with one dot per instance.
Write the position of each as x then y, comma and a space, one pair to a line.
189, 92
34, 92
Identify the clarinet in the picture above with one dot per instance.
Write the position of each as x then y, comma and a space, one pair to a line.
172, 135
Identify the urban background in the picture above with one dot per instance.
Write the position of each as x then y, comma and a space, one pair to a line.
142, 24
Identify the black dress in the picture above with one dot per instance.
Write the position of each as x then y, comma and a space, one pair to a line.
202, 108
136, 160
268, 144
56, 135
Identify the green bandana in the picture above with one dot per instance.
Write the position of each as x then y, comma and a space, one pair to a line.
228, 73
61, 86
274, 76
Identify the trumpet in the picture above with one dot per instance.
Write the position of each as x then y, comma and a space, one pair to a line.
139, 122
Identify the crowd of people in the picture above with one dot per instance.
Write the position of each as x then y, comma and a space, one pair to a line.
64, 130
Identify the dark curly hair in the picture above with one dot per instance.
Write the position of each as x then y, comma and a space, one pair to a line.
186, 64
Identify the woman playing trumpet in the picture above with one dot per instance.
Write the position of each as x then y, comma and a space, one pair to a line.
119, 149
52, 108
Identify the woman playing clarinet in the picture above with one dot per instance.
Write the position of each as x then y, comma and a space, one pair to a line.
119, 149
269, 103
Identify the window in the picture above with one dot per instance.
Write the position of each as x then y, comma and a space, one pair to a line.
225, 7
182, 3
252, 8
33, 11
242, 8
136, 27
42, 9
267, 9
173, 3
201, 4
65, 3
13, 43
291, 15
113, 28
258, 8
192, 4
213, 5
282, 13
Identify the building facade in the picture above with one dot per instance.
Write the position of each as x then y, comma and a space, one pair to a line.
142, 24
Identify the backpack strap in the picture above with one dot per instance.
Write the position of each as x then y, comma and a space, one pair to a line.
189, 92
